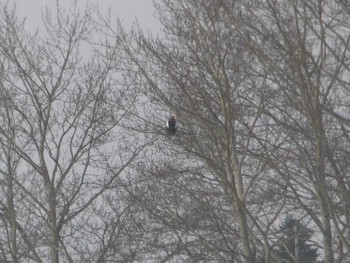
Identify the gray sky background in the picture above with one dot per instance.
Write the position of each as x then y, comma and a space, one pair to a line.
126, 10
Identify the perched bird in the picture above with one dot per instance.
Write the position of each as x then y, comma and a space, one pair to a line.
171, 126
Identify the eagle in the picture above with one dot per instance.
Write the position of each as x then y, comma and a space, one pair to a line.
171, 126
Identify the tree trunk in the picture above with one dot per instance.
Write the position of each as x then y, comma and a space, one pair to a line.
236, 188
54, 240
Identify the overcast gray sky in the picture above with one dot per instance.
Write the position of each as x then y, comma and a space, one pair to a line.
127, 10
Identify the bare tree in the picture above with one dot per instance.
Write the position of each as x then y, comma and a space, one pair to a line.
63, 123
303, 48
200, 72
260, 91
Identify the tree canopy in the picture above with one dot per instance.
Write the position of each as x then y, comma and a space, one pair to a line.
260, 90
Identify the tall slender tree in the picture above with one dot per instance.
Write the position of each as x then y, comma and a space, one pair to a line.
205, 80
63, 144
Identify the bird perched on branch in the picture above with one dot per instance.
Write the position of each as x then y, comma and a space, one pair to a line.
171, 126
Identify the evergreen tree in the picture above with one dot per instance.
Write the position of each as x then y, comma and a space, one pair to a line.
293, 234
